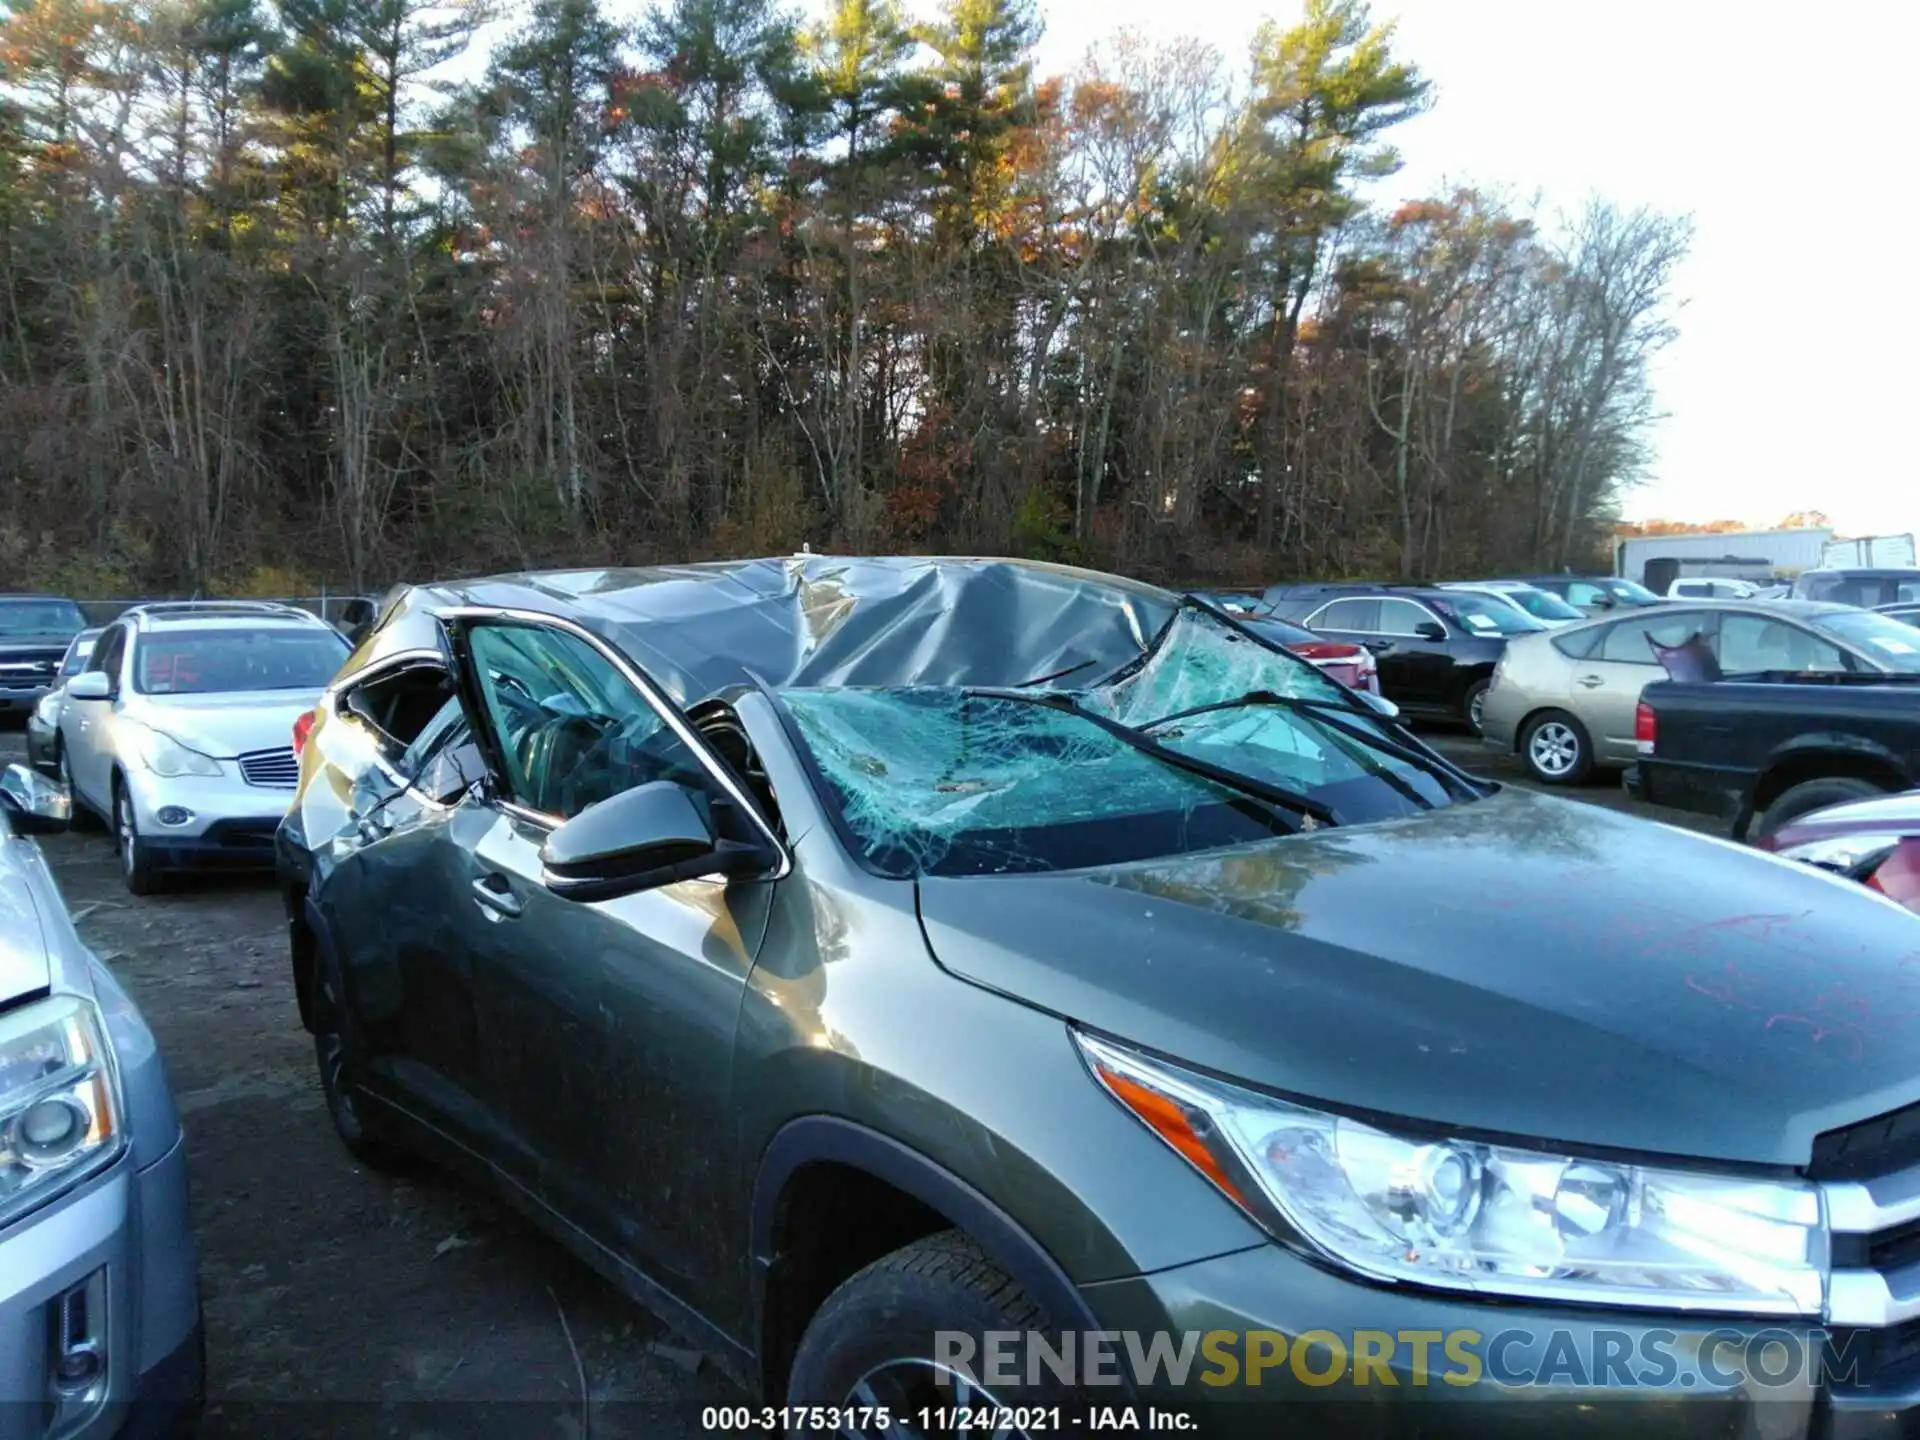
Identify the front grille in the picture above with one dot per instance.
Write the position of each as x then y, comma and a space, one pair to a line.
1870, 1183
277, 769
1873, 1147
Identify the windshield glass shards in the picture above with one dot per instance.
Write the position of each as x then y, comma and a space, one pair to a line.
947, 781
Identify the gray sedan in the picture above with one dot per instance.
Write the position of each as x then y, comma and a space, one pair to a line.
100, 1330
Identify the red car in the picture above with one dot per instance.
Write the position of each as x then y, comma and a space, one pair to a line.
1876, 842
1352, 665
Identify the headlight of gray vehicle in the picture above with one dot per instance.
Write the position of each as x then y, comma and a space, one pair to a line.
1492, 1219
60, 1106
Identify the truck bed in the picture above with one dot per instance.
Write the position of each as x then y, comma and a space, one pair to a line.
1731, 747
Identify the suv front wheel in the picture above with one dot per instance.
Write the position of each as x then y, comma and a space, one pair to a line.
136, 855
872, 1344
355, 1120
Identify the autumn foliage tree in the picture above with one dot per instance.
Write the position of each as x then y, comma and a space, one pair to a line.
316, 286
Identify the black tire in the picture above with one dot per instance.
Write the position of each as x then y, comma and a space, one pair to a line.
872, 1342
1556, 749
137, 868
365, 1132
82, 818
1470, 703
1811, 795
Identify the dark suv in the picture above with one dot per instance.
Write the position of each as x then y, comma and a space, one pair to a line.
35, 631
1435, 648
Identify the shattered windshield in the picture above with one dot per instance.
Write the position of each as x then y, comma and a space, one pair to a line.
947, 781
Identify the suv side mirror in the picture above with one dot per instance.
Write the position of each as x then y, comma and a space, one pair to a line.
90, 685
1602, 601
640, 839
34, 804
1430, 630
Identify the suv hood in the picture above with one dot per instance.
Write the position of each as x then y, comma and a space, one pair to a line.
224, 726
1520, 966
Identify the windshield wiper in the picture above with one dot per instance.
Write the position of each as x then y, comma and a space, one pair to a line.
1311, 709
1275, 795
1318, 710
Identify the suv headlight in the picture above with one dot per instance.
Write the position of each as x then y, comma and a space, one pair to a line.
168, 758
1496, 1220
60, 1111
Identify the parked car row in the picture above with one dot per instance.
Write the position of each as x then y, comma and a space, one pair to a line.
174, 727
1566, 702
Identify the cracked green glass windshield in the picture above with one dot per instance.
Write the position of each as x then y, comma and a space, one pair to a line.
944, 781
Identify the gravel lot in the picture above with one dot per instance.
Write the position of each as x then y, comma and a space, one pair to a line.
340, 1301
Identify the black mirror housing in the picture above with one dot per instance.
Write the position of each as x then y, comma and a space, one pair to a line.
1430, 630
640, 839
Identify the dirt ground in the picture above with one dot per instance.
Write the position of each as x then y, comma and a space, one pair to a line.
341, 1302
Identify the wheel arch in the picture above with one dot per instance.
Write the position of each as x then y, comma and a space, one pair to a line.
1540, 712
1822, 758
814, 1144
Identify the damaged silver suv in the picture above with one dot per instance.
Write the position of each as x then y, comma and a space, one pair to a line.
858, 959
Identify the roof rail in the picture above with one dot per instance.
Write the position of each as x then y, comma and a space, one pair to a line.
160, 609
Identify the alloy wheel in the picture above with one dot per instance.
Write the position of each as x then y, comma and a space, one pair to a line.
1554, 749
330, 1045
125, 834
1475, 709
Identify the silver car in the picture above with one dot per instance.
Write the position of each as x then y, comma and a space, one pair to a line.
1530, 600
43, 723
1566, 701
100, 1328
180, 731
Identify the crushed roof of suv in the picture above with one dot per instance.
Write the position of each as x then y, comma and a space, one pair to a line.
821, 620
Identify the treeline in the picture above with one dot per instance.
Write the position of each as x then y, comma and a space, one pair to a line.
278, 295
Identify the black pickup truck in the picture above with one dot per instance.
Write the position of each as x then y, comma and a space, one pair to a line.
1763, 749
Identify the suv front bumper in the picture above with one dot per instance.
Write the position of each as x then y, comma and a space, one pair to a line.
1444, 1367
228, 822
125, 1239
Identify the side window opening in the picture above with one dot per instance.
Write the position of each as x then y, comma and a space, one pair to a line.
573, 731
1580, 644
399, 705
722, 730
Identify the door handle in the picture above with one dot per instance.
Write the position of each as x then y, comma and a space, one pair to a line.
490, 893
1378, 647
1590, 681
